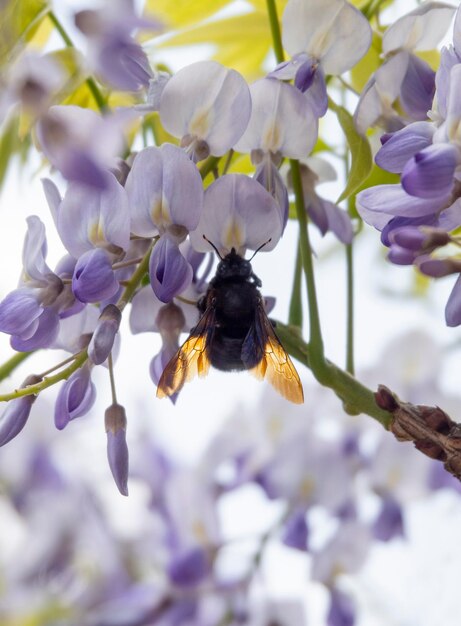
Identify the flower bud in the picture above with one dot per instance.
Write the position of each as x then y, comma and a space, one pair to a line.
103, 337
75, 398
117, 449
17, 413
436, 268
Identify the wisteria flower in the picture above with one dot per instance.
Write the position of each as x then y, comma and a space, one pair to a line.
81, 144
113, 53
165, 194
404, 75
207, 106
238, 213
323, 37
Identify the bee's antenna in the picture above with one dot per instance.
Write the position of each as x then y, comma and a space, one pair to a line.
260, 247
213, 246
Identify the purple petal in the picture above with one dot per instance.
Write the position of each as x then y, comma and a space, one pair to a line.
117, 449
123, 63
317, 95
17, 413
389, 523
397, 223
400, 256
418, 88
89, 218
94, 278
189, 568
295, 532
75, 398
409, 237
341, 611
453, 307
380, 201
430, 173
169, 271
269, 177
399, 147
339, 222
104, 335
164, 188
305, 75
18, 311
44, 334
34, 253
436, 268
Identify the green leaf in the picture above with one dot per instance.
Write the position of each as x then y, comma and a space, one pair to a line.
243, 42
182, 12
361, 157
19, 22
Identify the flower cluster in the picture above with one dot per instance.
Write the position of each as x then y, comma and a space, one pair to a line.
417, 215
137, 229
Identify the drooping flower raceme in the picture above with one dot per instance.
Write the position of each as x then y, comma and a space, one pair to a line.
403, 74
427, 155
207, 106
323, 37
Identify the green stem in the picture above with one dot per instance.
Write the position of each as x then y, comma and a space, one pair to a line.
275, 30
208, 166
295, 317
80, 359
315, 336
356, 397
92, 86
9, 366
136, 279
350, 309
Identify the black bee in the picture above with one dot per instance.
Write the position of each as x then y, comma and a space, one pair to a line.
233, 333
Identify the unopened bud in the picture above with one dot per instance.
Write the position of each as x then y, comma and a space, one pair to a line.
117, 449
170, 320
17, 413
103, 337
436, 268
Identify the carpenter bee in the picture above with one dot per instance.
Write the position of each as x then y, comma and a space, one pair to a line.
233, 333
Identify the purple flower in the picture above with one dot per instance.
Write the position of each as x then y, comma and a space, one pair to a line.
75, 398
113, 53
323, 37
295, 532
81, 144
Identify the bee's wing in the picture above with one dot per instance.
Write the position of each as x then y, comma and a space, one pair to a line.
191, 359
274, 364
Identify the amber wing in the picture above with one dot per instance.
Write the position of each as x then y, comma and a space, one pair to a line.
191, 359
274, 363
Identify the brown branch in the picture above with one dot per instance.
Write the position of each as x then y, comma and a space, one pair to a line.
432, 431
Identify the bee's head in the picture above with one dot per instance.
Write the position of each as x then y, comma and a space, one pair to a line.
234, 266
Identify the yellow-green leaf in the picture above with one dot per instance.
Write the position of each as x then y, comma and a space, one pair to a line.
361, 157
18, 24
179, 13
242, 41
361, 72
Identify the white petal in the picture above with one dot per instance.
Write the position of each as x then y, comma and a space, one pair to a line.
332, 31
208, 101
422, 29
281, 121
